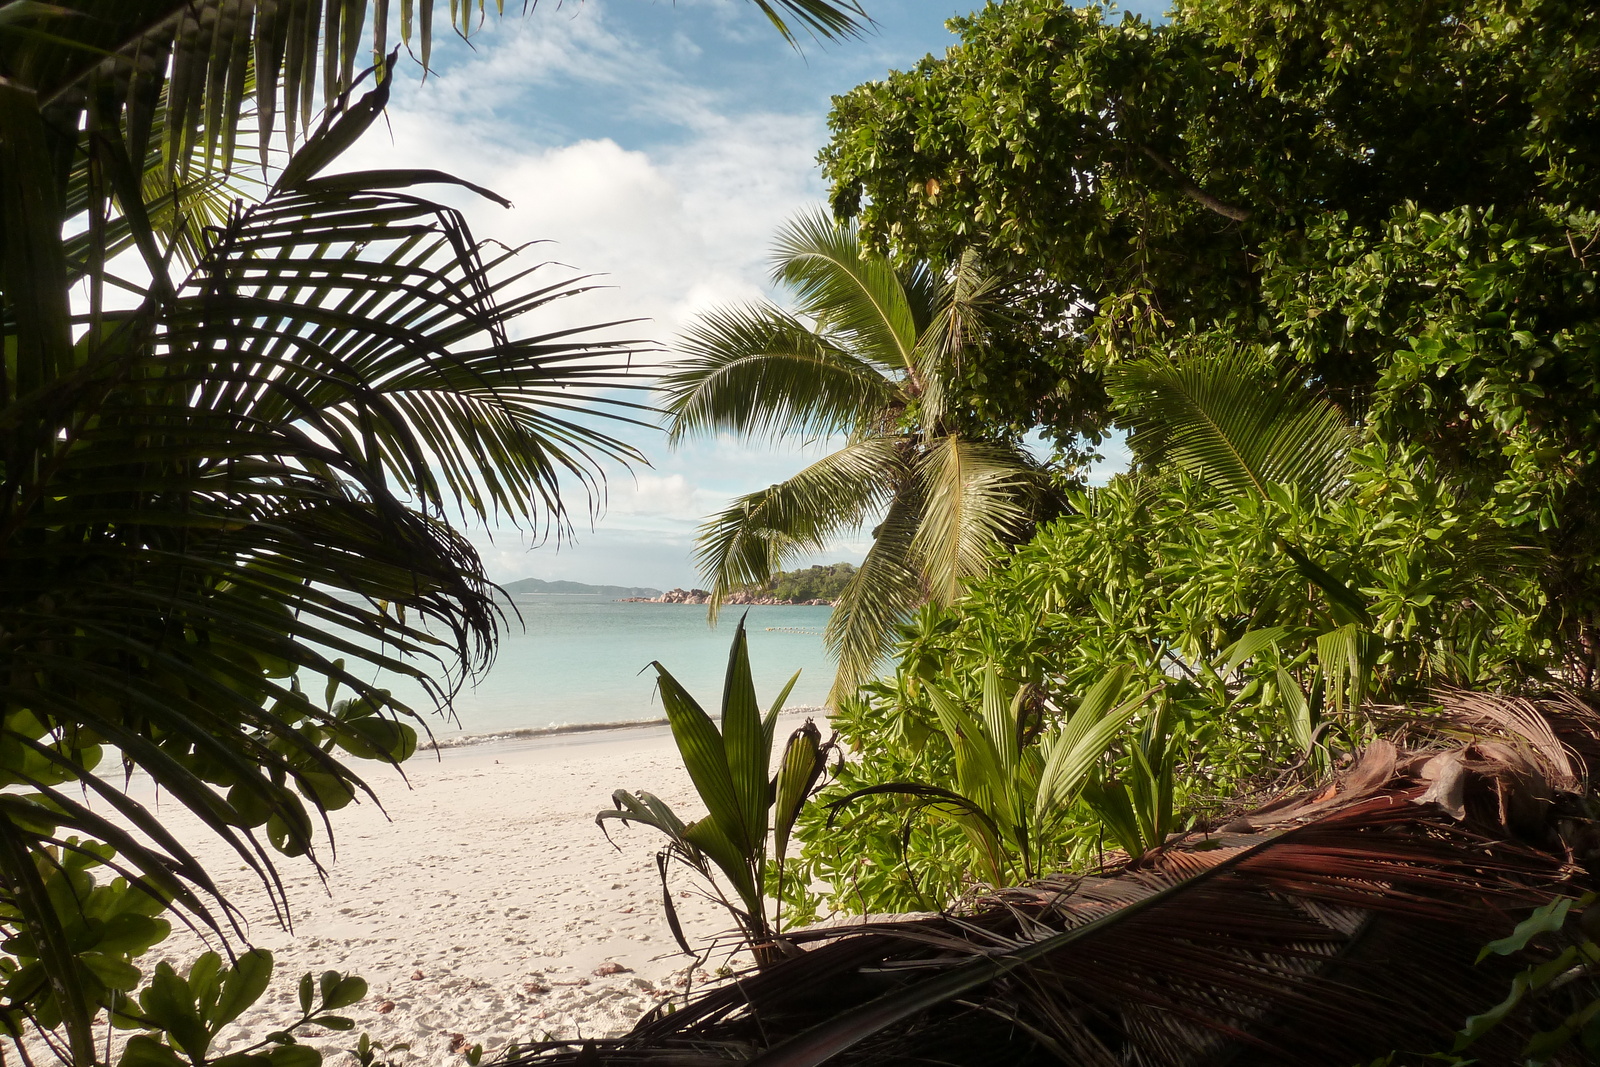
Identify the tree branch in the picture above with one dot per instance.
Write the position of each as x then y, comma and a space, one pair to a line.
1190, 189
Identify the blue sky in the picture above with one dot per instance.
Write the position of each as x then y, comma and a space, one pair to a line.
659, 144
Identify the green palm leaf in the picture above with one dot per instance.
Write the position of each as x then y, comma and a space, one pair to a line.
762, 372
876, 362
829, 21
186, 71
859, 299
242, 481
973, 503
1073, 749
887, 588
749, 746
1233, 422
964, 313
755, 536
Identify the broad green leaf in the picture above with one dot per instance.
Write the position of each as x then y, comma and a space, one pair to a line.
702, 749
734, 862
1114, 807
646, 808
341, 991
170, 1004
802, 764
1342, 655
1348, 606
1296, 711
1000, 721
744, 740
115, 972
328, 792
294, 1056
1252, 644
142, 1050
1545, 920
132, 933
1073, 749
242, 986
205, 982
980, 774
769, 724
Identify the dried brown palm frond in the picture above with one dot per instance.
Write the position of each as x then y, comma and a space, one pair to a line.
1329, 927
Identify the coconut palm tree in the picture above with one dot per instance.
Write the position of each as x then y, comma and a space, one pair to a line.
869, 353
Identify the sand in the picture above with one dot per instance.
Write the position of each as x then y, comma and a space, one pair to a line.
482, 904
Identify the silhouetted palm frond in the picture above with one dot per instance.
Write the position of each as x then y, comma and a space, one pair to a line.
239, 489
186, 71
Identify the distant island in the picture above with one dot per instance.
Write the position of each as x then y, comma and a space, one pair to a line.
538, 585
818, 586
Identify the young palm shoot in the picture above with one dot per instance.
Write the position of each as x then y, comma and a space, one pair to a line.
1008, 792
749, 814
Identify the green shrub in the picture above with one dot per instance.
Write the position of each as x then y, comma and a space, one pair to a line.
1201, 598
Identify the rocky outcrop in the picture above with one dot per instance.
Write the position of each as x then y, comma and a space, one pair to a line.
736, 599
671, 596
684, 596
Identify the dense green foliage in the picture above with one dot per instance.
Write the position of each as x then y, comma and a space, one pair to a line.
1171, 579
1399, 202
817, 582
1269, 582
1333, 267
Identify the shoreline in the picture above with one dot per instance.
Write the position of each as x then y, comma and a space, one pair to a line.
479, 899
533, 733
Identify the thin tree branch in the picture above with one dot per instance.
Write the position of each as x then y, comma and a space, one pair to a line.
1190, 189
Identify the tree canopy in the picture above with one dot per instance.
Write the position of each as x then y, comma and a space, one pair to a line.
1398, 205
817, 582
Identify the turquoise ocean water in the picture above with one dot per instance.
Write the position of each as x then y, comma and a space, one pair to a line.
575, 660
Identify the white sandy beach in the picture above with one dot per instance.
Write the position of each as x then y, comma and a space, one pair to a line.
486, 907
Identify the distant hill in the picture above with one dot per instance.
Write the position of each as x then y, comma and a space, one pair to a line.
538, 585
812, 583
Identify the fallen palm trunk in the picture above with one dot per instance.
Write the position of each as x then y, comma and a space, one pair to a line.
1328, 927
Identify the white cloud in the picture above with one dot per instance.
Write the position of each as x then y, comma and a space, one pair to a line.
670, 496
675, 223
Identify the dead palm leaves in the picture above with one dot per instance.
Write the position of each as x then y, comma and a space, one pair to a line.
1328, 927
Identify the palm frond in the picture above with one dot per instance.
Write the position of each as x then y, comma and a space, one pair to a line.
1233, 421
194, 67
887, 339
243, 483
760, 371
963, 314
973, 495
828, 21
886, 588
752, 539
852, 294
